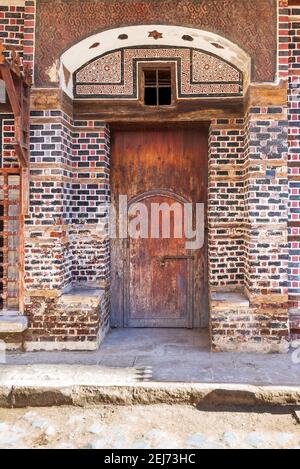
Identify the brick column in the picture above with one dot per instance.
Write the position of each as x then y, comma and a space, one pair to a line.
248, 232
226, 223
67, 256
226, 204
48, 253
91, 191
266, 243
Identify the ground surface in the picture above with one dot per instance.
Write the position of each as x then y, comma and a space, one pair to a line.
143, 427
173, 355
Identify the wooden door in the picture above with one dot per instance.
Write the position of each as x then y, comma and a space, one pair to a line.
158, 282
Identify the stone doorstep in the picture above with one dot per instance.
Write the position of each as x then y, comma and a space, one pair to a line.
228, 300
13, 324
79, 296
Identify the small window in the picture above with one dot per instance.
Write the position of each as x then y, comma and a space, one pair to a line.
157, 87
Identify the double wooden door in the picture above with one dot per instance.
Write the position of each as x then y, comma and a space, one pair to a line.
158, 281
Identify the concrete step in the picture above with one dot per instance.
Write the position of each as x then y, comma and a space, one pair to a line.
13, 324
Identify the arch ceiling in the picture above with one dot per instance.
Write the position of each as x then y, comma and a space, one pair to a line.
153, 36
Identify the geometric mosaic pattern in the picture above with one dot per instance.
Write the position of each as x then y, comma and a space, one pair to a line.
207, 68
199, 74
106, 69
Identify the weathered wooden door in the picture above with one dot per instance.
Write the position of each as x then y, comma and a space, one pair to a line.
157, 281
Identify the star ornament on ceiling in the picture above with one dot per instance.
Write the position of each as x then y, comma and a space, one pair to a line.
155, 34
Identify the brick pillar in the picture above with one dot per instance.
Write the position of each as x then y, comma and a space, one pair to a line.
226, 223
89, 234
266, 242
91, 191
67, 256
248, 232
48, 254
226, 204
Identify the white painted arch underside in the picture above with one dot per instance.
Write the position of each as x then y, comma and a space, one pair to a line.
108, 40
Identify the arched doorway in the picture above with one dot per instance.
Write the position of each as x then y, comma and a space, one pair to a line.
153, 85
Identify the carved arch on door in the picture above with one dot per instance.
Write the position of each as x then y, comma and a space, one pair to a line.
163, 192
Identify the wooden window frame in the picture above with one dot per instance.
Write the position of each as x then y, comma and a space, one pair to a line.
5, 173
18, 86
141, 82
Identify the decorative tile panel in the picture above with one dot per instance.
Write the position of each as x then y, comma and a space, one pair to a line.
207, 68
107, 69
199, 74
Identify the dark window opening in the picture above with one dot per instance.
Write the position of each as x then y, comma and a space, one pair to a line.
157, 87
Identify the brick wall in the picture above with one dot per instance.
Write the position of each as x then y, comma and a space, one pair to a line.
91, 193
48, 260
271, 253
294, 159
12, 27
294, 170
248, 245
74, 321
266, 244
226, 208
29, 30
283, 39
65, 247
266, 153
17, 23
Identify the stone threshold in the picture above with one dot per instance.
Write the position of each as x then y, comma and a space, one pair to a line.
82, 296
228, 299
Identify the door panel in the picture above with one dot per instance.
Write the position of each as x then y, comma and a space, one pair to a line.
158, 277
158, 282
